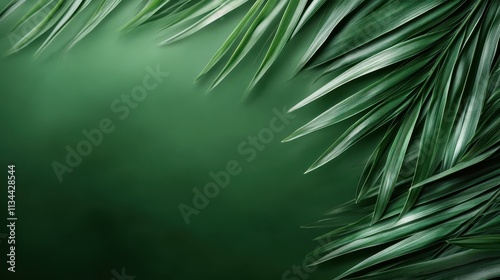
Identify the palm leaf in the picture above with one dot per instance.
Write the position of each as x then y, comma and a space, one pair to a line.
393, 55
102, 11
429, 193
215, 14
284, 32
10, 8
255, 31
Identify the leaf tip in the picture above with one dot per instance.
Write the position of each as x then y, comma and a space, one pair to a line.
294, 108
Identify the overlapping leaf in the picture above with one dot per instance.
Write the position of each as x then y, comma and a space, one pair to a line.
429, 193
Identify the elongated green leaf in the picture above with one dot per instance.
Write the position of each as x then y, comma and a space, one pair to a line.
431, 146
481, 242
75, 7
185, 13
283, 34
416, 220
488, 225
470, 224
232, 38
487, 139
10, 8
421, 25
455, 169
336, 221
35, 9
394, 14
263, 21
469, 121
386, 58
476, 179
432, 266
414, 243
214, 15
312, 8
377, 117
102, 11
150, 8
385, 231
487, 269
399, 83
373, 169
170, 11
39, 27
337, 12
395, 160
458, 93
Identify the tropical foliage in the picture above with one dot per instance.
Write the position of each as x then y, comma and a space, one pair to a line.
428, 199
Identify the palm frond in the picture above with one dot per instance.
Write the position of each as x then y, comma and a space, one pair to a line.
429, 194
55, 15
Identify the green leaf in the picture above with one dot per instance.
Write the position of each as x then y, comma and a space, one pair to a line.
481, 242
10, 8
149, 9
459, 167
262, 22
336, 13
394, 14
421, 25
397, 83
283, 34
487, 269
431, 148
381, 60
432, 266
102, 11
224, 8
312, 8
36, 8
374, 169
476, 99
395, 160
233, 37
39, 27
377, 117
409, 245
185, 13
459, 132
73, 9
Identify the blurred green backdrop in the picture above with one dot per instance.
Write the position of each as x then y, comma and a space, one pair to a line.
119, 207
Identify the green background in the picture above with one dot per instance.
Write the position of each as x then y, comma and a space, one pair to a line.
119, 208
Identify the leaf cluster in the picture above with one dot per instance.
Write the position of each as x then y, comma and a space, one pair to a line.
428, 197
